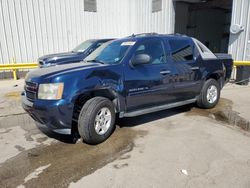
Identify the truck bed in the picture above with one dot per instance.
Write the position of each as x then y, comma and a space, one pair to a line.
227, 61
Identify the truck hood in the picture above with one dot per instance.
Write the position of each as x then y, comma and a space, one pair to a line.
54, 71
61, 58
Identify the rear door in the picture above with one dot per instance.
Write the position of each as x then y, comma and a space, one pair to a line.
187, 81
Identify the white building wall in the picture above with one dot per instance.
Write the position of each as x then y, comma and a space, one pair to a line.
32, 28
160, 22
239, 44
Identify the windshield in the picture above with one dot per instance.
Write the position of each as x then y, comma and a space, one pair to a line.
110, 52
83, 46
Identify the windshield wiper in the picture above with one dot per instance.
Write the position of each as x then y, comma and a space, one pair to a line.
96, 61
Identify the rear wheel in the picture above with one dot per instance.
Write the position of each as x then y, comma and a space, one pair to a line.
96, 120
209, 95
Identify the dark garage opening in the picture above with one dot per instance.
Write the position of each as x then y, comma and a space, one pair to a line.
207, 20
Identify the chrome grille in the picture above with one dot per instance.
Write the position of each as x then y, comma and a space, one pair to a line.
31, 89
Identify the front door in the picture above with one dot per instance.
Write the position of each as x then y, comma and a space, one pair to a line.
147, 84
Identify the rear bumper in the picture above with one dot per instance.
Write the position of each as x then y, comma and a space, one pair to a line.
56, 115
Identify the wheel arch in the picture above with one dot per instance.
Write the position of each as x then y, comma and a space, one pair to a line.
216, 76
80, 99
83, 97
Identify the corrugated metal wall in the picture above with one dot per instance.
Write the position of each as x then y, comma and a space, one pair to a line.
239, 44
31, 28
160, 22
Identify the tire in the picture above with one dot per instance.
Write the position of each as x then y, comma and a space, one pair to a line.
209, 101
96, 120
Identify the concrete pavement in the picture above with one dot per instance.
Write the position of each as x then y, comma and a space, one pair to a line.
182, 147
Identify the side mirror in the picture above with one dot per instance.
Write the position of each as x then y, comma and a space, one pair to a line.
141, 59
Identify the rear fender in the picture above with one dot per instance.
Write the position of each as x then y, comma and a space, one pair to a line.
218, 76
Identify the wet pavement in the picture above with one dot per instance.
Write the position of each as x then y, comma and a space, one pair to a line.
64, 161
212, 146
224, 113
67, 162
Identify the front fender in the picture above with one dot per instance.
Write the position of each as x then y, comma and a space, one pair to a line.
106, 82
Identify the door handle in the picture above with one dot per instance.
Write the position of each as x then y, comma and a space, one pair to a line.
195, 68
165, 72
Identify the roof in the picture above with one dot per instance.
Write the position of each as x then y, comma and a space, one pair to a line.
157, 35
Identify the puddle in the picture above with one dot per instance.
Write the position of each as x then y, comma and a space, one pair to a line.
223, 112
5, 131
119, 166
42, 139
69, 163
19, 148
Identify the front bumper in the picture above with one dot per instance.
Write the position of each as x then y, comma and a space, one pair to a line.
55, 114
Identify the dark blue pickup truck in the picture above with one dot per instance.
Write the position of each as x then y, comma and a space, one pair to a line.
76, 55
129, 77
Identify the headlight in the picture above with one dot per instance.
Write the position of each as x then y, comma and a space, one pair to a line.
50, 91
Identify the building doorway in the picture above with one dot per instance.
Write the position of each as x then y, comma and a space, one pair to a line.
207, 20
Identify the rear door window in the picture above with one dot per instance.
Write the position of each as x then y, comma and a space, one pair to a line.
181, 50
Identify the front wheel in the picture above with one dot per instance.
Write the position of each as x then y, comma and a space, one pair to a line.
96, 120
210, 94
